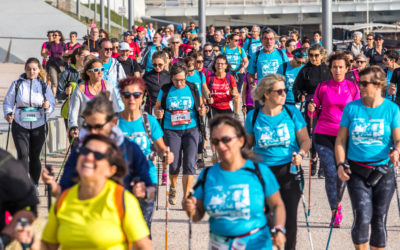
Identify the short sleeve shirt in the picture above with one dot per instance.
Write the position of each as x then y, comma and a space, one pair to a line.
290, 75
266, 63
275, 136
221, 90
370, 130
197, 78
234, 56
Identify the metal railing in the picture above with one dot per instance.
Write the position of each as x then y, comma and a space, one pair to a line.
211, 3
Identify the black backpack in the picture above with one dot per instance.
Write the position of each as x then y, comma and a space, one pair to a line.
18, 84
196, 97
259, 51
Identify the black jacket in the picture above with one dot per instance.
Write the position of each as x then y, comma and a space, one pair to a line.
130, 66
67, 76
154, 81
308, 79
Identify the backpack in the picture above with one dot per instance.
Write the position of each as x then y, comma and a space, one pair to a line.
196, 97
147, 128
18, 84
240, 50
256, 111
212, 77
284, 65
259, 51
248, 47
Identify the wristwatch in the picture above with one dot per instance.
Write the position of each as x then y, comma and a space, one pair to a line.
275, 230
345, 167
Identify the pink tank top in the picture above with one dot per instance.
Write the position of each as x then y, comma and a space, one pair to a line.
87, 92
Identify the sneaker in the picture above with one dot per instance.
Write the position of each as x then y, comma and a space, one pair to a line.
200, 163
172, 196
314, 166
164, 179
338, 217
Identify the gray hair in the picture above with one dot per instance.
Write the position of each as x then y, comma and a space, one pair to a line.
174, 37
256, 27
358, 33
265, 85
171, 26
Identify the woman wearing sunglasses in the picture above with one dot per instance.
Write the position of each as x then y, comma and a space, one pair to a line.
93, 206
313, 73
93, 84
369, 129
277, 131
352, 74
133, 123
390, 59
330, 98
199, 63
155, 79
233, 194
181, 109
291, 69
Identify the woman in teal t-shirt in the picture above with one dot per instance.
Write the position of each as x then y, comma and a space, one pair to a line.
279, 131
235, 193
147, 134
369, 128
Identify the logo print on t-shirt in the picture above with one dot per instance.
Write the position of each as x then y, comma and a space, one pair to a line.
270, 66
179, 103
230, 203
273, 136
140, 138
368, 132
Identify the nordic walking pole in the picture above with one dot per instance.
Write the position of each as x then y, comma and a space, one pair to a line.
8, 135
65, 158
309, 176
395, 166
340, 197
166, 206
158, 180
300, 179
190, 221
49, 188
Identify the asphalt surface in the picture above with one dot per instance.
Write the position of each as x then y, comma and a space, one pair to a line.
178, 221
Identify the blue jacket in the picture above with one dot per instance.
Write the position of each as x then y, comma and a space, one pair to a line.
136, 162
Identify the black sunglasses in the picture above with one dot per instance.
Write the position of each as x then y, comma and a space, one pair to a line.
365, 83
97, 155
128, 95
280, 91
108, 49
95, 127
155, 65
224, 140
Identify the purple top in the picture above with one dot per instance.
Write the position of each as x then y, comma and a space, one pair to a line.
87, 92
249, 97
330, 98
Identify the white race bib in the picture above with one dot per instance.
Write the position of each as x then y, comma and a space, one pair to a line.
179, 117
218, 244
30, 115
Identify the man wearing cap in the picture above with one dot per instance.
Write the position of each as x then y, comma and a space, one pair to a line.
140, 38
131, 67
135, 50
375, 54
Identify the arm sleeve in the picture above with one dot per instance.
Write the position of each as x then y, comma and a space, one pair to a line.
233, 81
69, 174
74, 108
51, 99
395, 118
252, 67
160, 94
50, 230
394, 78
9, 99
316, 100
298, 119
248, 123
199, 192
134, 225
62, 83
156, 131
243, 55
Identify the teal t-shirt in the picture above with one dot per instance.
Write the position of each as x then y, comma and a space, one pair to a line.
251, 48
290, 76
136, 132
179, 101
267, 63
197, 78
234, 200
275, 136
107, 67
370, 131
234, 56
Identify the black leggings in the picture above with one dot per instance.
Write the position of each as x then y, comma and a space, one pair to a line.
290, 192
313, 151
370, 207
29, 143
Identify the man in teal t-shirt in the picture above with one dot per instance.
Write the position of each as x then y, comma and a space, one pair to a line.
253, 44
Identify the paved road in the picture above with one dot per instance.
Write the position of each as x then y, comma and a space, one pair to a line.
178, 226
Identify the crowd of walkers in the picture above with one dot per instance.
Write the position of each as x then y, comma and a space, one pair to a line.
141, 110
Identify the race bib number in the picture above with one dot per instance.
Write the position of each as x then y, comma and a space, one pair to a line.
179, 117
30, 115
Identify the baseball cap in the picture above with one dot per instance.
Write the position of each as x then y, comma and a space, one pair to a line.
127, 33
378, 36
140, 28
124, 46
